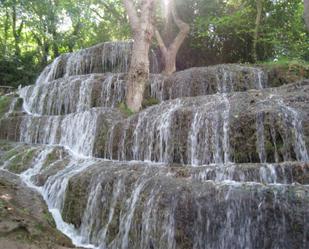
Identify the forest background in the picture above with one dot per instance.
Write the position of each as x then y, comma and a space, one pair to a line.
34, 32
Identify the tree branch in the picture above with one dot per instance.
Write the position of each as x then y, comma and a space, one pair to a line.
132, 14
161, 43
184, 29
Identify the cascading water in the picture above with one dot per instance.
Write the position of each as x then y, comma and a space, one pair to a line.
205, 81
105, 57
248, 146
74, 94
292, 116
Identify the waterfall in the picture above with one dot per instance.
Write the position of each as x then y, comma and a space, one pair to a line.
209, 134
293, 135
291, 116
75, 131
219, 163
206, 81
260, 137
105, 57
74, 94
113, 91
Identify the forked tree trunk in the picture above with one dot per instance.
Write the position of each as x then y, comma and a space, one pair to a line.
169, 53
306, 13
142, 27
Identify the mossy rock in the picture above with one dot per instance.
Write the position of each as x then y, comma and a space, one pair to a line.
21, 161
150, 102
284, 73
6, 146
55, 155
5, 102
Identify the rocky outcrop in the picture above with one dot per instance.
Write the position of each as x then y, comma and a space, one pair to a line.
24, 218
144, 205
253, 126
149, 208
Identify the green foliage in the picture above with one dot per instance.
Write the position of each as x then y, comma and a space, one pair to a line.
34, 32
286, 62
222, 31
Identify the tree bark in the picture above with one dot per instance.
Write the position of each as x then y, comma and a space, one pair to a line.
169, 54
16, 31
142, 28
6, 32
306, 13
259, 8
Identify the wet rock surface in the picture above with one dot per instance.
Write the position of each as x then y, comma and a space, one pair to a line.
241, 127
217, 159
24, 218
150, 208
270, 125
144, 205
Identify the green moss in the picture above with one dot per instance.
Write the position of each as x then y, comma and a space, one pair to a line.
21, 161
269, 147
5, 102
150, 102
16, 164
100, 142
49, 218
40, 227
51, 158
125, 109
5, 145
9, 154
19, 104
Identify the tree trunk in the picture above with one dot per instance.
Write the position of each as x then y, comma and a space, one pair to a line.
259, 8
6, 32
169, 54
16, 31
306, 13
142, 27
55, 46
45, 52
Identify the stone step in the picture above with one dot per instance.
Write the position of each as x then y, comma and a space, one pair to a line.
81, 92
255, 126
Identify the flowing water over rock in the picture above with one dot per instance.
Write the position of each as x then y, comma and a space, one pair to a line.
221, 162
219, 128
105, 57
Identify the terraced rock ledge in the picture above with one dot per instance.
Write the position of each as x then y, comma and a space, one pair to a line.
219, 160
